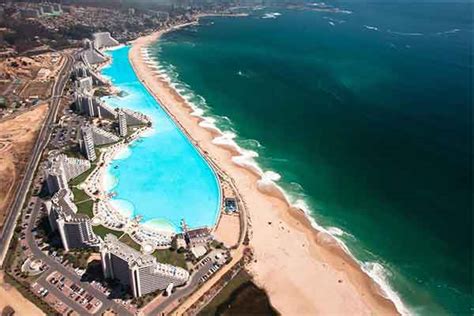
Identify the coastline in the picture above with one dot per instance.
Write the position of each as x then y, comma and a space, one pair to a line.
326, 273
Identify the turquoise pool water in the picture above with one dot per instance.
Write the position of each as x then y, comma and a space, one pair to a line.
161, 177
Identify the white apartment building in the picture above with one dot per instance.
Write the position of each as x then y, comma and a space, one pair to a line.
141, 272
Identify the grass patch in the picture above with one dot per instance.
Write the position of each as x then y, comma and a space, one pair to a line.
170, 257
79, 195
241, 278
102, 231
126, 239
82, 177
85, 207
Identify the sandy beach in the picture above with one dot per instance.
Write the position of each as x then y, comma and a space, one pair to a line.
303, 271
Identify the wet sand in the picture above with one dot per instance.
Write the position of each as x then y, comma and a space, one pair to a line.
303, 271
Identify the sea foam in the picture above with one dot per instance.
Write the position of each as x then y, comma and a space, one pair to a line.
267, 182
405, 33
271, 15
452, 31
372, 28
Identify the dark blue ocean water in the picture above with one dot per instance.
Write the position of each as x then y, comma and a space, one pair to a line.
367, 118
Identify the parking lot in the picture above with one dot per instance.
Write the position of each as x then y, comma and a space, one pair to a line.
75, 292
66, 132
210, 264
50, 298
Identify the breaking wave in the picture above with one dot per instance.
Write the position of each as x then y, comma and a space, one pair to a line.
380, 275
452, 31
268, 179
405, 33
338, 21
372, 28
272, 15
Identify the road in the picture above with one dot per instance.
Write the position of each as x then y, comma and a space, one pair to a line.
183, 292
57, 266
22, 193
40, 145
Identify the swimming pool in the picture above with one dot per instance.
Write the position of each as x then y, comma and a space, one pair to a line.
161, 177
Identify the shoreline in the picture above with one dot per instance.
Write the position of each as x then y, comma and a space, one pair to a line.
326, 272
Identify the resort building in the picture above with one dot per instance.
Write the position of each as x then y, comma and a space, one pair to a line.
135, 118
92, 107
87, 143
84, 104
84, 84
104, 111
122, 124
102, 137
74, 229
104, 39
91, 55
141, 272
55, 179
195, 237
61, 169
80, 70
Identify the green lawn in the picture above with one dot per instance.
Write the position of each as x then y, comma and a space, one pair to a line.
102, 231
170, 257
85, 208
83, 202
126, 239
79, 195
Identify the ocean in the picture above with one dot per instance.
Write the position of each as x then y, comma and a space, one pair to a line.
363, 117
